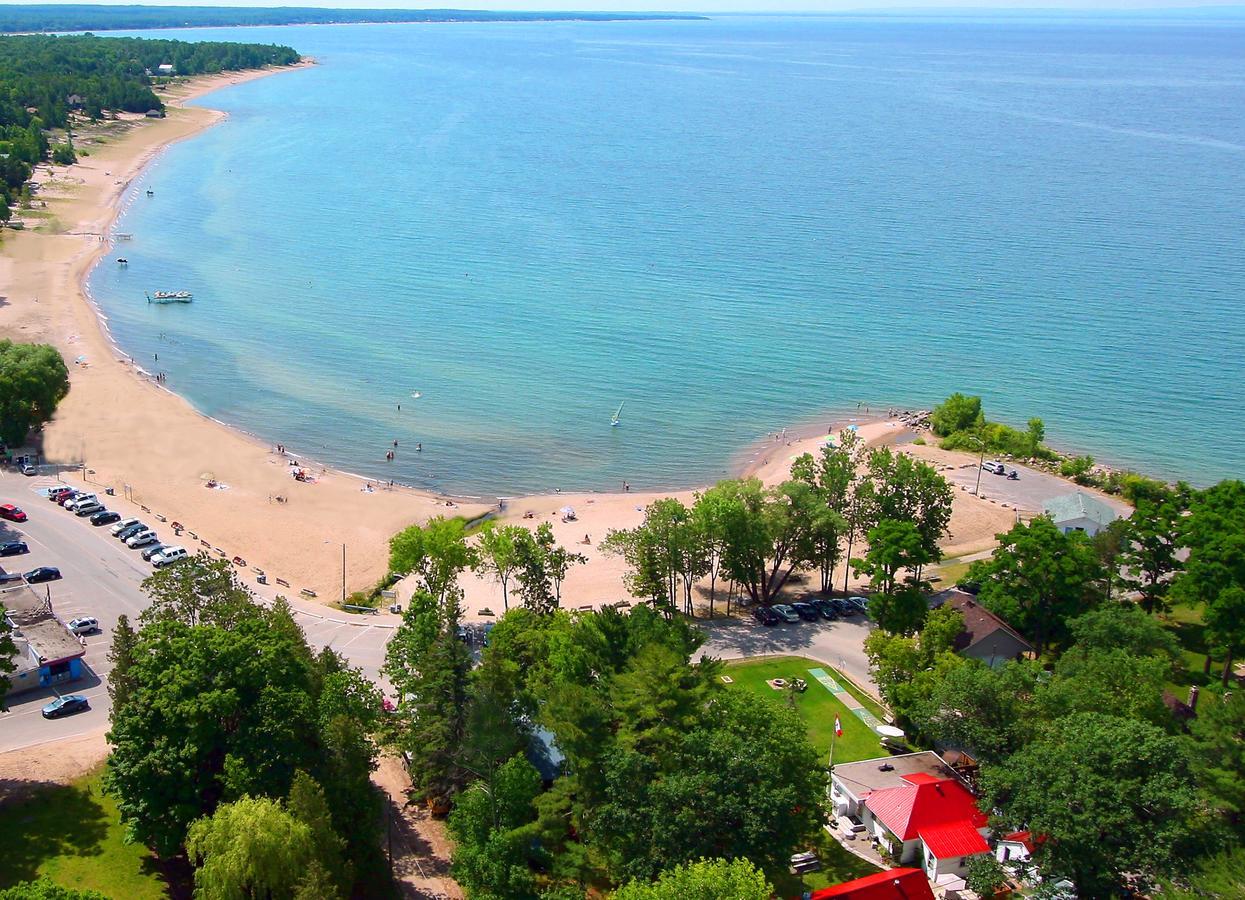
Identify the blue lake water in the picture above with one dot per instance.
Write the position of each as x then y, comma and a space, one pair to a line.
731, 225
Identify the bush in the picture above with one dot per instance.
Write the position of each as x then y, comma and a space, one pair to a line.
1077, 468
63, 155
957, 413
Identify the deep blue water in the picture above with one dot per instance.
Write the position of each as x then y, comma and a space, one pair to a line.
732, 225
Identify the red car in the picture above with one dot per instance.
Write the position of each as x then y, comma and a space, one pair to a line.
12, 513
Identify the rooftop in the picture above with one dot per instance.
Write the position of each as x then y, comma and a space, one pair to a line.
868, 775
1080, 505
979, 622
894, 884
954, 839
923, 803
31, 614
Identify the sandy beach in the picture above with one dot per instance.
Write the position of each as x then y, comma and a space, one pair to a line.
127, 432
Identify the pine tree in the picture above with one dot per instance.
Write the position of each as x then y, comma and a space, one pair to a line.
121, 683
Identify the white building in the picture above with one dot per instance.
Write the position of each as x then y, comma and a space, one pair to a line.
916, 807
1080, 511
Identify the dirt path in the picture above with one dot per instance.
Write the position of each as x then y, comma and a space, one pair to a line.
421, 847
33, 767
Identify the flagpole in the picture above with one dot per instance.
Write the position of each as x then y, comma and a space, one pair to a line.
833, 735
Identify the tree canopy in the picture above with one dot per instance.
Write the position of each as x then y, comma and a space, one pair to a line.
33, 380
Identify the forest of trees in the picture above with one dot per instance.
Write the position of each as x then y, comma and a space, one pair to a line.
40, 73
1129, 793
89, 17
234, 742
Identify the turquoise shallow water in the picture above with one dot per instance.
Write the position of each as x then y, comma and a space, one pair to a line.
732, 225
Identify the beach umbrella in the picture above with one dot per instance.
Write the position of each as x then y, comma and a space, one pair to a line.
568, 510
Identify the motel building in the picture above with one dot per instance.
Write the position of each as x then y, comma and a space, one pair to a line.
48, 653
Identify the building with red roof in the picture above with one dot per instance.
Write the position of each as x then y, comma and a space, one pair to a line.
924, 815
895, 884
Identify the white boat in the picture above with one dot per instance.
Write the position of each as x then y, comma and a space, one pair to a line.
614, 420
168, 297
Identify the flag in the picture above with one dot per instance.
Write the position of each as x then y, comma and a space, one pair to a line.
838, 727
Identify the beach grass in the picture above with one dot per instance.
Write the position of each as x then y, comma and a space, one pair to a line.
72, 834
817, 706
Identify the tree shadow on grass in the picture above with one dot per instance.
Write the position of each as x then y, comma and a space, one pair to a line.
46, 821
176, 874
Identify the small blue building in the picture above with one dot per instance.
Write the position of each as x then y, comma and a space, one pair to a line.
48, 653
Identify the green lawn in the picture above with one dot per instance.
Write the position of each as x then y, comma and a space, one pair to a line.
73, 835
1186, 623
817, 706
837, 866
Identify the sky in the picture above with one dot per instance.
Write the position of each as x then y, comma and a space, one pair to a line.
700, 6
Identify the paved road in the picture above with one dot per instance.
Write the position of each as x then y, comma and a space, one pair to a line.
1029, 493
101, 578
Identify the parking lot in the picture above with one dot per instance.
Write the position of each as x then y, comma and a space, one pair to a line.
101, 578
1029, 493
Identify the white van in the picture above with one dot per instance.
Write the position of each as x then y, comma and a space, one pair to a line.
90, 508
122, 526
171, 555
81, 500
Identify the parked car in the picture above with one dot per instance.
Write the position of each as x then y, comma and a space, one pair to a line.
806, 611
106, 517
129, 531
786, 613
11, 577
90, 508
992, 465
43, 573
825, 609
142, 539
80, 501
861, 604
765, 615
171, 555
149, 552
64, 706
121, 526
12, 513
58, 493
28, 469
70, 497
84, 625
842, 607
13, 548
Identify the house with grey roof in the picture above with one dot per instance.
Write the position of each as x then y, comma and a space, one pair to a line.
985, 636
1080, 511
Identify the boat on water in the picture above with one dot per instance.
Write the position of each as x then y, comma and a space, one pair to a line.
615, 421
170, 297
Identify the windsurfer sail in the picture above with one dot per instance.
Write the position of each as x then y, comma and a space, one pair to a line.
614, 420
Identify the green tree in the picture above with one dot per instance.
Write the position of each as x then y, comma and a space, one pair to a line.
429, 668
980, 709
121, 682
200, 590
743, 782
215, 714
1219, 739
45, 889
833, 476
250, 848
1108, 680
1035, 435
1151, 550
957, 413
705, 879
985, 873
894, 546
435, 552
498, 554
316, 884
492, 843
1039, 579
1214, 573
1114, 796
1122, 626
666, 553
8, 650
1220, 875
307, 804
907, 670
902, 489
33, 381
